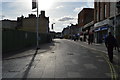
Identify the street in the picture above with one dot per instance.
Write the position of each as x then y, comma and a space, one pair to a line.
66, 59
60, 40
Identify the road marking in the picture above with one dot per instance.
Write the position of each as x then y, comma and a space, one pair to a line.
112, 69
113, 72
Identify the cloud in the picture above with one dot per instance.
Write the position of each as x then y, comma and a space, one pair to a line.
59, 7
66, 18
87, 5
12, 10
90, 4
79, 9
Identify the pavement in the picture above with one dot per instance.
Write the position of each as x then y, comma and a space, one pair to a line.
29, 52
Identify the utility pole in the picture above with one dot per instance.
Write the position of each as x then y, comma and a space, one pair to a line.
37, 28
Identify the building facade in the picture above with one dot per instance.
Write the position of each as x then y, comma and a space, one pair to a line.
104, 19
85, 16
29, 23
8, 24
74, 29
88, 29
66, 32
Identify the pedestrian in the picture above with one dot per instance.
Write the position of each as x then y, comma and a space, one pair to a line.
90, 38
110, 43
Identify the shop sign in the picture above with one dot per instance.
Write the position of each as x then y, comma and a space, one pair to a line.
101, 28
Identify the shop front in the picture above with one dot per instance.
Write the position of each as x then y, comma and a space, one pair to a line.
116, 27
88, 28
101, 30
101, 33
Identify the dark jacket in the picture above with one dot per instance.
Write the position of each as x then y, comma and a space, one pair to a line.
110, 41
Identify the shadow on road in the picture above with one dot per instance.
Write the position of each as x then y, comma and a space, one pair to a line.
27, 52
29, 66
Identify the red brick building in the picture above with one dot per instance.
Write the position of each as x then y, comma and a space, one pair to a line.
85, 16
102, 11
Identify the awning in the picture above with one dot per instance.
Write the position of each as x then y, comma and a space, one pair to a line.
102, 23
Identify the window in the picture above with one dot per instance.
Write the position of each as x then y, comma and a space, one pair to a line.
105, 11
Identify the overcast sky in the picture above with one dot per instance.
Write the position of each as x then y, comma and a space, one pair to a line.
62, 13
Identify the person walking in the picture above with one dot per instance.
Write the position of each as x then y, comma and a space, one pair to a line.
110, 43
90, 38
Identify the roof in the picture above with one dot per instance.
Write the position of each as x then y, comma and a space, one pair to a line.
85, 9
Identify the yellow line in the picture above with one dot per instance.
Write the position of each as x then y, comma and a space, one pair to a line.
115, 74
112, 74
112, 70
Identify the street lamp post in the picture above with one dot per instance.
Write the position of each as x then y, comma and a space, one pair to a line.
35, 6
37, 27
115, 21
52, 27
71, 29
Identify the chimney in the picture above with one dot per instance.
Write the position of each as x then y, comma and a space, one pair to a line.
32, 15
43, 13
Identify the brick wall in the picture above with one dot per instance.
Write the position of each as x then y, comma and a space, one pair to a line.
85, 16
